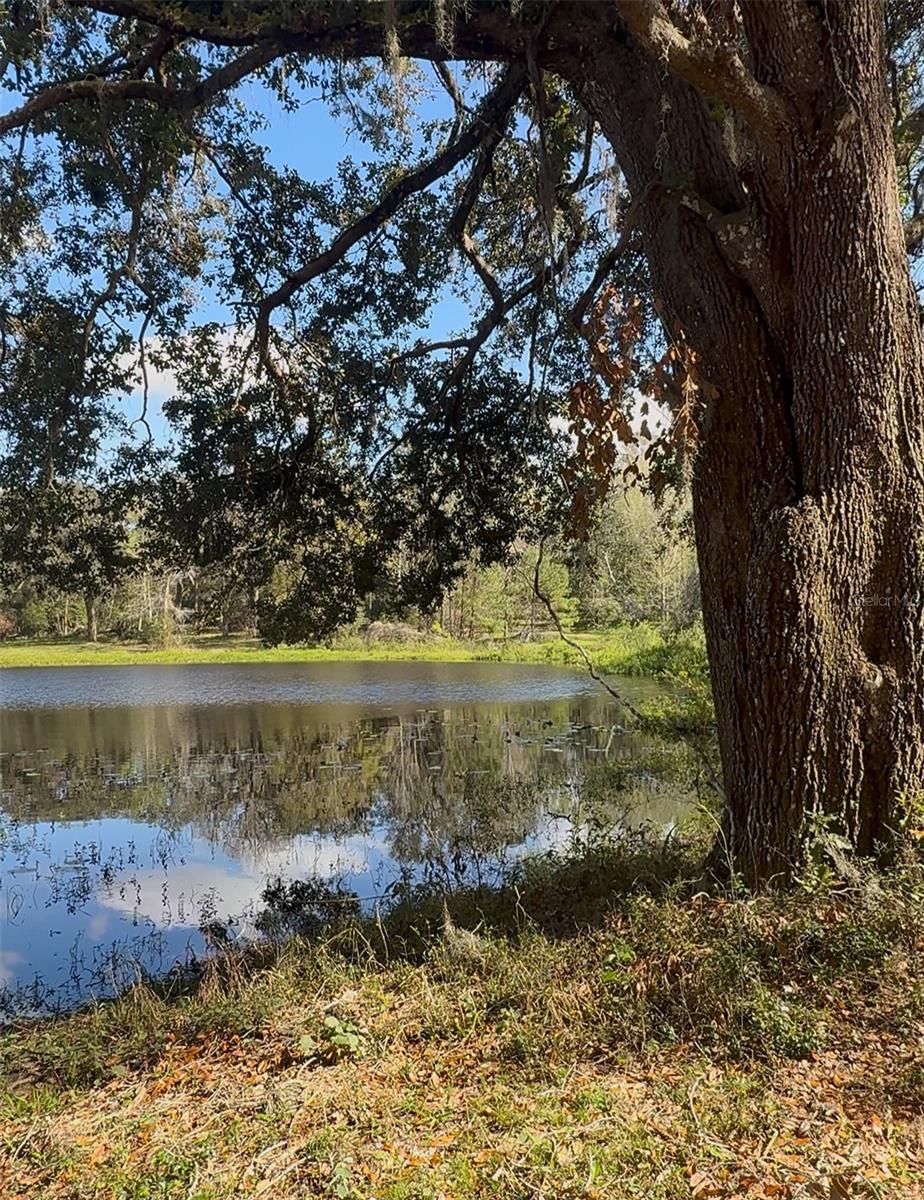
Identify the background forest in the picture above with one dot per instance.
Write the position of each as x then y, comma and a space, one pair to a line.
105, 575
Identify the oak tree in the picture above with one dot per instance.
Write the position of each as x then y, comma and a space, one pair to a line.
769, 152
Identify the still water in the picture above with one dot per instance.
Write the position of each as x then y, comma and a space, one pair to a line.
142, 806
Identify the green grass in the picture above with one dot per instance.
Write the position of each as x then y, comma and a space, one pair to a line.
631, 650
219, 650
605, 1029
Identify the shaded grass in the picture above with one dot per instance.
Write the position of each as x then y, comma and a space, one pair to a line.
597, 1027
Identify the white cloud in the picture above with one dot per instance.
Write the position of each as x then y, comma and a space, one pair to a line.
306, 855
185, 894
8, 960
176, 899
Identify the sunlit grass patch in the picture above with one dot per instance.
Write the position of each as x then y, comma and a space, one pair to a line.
640, 649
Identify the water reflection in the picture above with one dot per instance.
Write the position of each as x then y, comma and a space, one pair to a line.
124, 831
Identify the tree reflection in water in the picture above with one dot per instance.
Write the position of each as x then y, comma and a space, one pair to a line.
129, 836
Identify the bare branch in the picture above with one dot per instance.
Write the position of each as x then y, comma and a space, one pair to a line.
102, 91
716, 71
608, 261
445, 77
714, 782
493, 110
588, 661
142, 419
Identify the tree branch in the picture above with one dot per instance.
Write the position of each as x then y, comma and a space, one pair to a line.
495, 316
574, 185
458, 225
445, 77
103, 91
475, 340
493, 111
153, 56
353, 28
421, 349
717, 71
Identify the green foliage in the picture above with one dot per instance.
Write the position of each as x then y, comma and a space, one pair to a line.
62, 540
146, 604
638, 563
337, 1038
499, 601
30, 615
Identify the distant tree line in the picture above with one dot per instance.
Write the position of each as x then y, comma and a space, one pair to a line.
89, 570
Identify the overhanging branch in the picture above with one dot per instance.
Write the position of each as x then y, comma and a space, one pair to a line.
714, 70
352, 28
153, 91
491, 115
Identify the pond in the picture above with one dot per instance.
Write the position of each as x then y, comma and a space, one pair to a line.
141, 808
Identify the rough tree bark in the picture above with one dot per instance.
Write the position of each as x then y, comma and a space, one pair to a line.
788, 275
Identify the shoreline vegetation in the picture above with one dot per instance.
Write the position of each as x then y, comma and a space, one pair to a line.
640, 649
596, 1027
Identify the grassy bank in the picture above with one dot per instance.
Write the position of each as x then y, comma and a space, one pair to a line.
639, 649
606, 1031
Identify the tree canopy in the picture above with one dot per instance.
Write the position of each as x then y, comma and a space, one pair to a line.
315, 422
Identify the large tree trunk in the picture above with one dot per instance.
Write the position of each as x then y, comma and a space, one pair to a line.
794, 292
